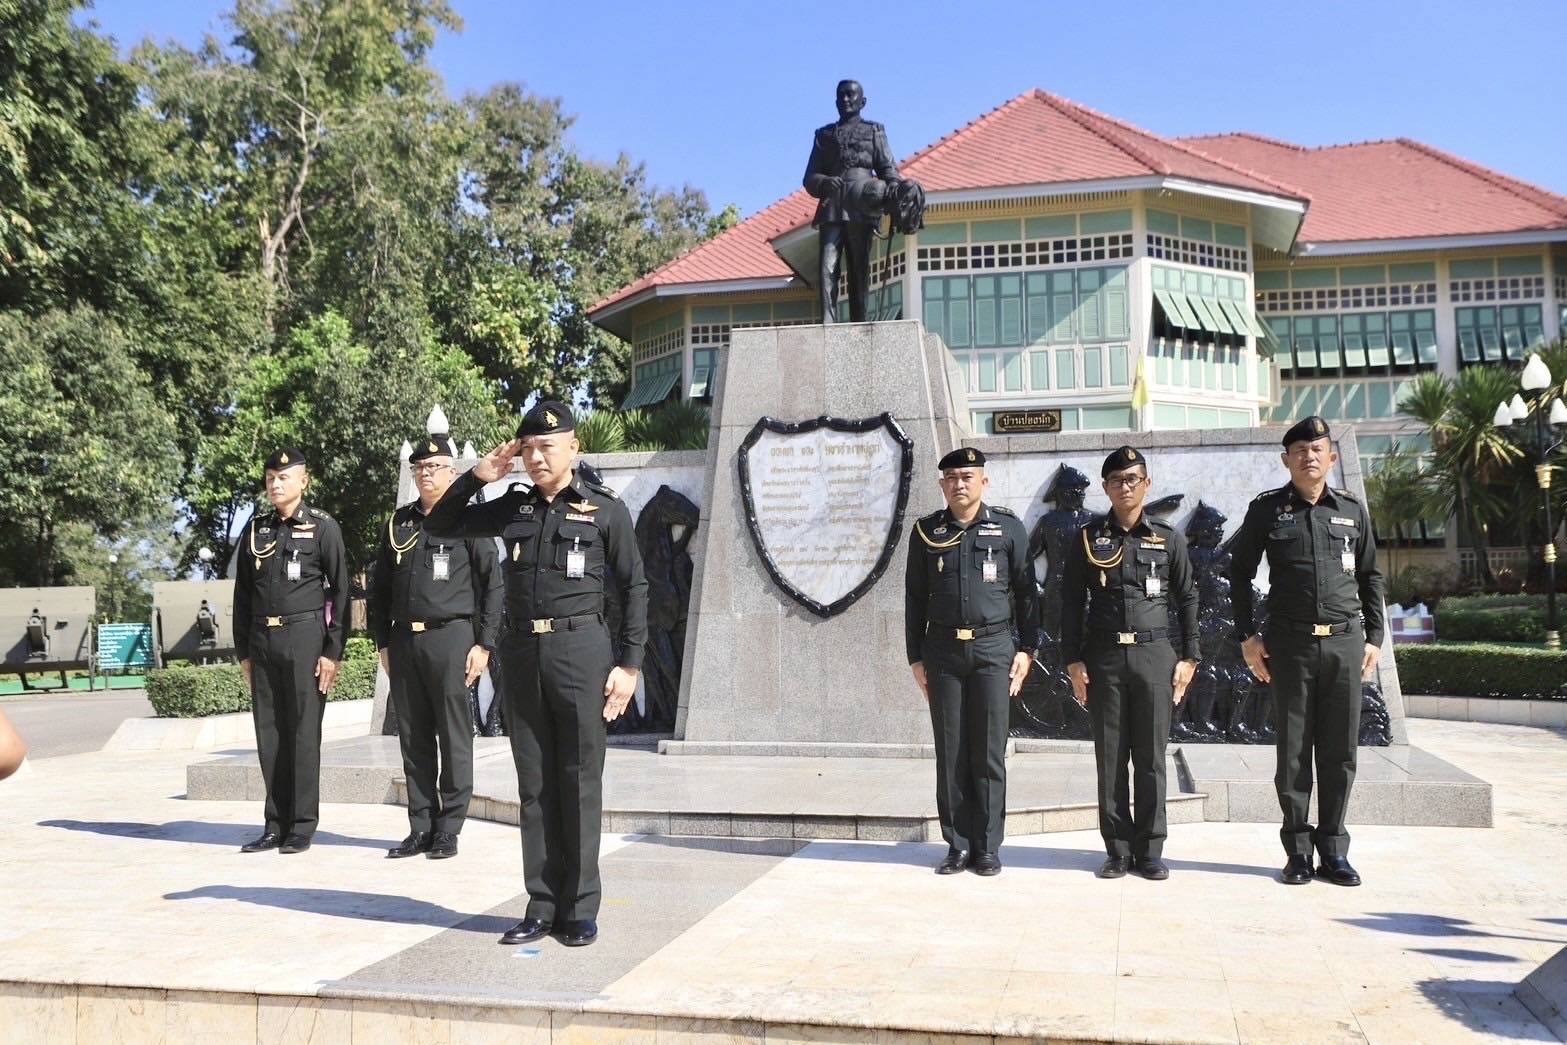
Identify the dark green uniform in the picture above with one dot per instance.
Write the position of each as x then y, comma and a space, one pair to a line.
431, 601
1116, 594
966, 588
290, 604
1322, 582
556, 654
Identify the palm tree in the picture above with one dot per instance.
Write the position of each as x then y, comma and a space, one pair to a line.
1470, 453
1400, 498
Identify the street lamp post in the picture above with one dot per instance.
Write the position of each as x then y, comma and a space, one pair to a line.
206, 556
1550, 421
114, 586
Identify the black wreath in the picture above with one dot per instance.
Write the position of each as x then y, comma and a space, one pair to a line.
837, 424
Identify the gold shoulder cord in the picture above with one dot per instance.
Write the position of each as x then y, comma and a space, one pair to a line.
392, 539
260, 553
1103, 564
939, 545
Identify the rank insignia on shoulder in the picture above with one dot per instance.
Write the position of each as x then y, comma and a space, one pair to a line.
582, 506
1001, 509
940, 530
525, 509
318, 513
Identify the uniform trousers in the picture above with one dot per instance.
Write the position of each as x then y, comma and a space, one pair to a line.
287, 705
1130, 689
1316, 715
430, 693
967, 680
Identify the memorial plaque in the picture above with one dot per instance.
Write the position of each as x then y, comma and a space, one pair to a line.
824, 500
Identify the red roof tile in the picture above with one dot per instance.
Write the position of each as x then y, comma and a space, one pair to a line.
1397, 189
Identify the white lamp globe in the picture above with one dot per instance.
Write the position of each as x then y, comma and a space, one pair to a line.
1536, 375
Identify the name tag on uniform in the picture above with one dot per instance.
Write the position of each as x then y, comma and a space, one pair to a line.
578, 517
1152, 586
1338, 521
440, 566
291, 569
304, 534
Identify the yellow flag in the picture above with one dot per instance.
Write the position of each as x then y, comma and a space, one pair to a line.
1140, 384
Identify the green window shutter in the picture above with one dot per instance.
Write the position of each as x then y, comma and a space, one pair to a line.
1425, 337
1012, 371
1066, 372
1402, 334
1172, 311
1353, 329
959, 313
1327, 342
987, 372
1355, 401
1093, 364
934, 291
1490, 337
1118, 368
1039, 371
1279, 327
1063, 299
1305, 341
1328, 402
1116, 317
1533, 326
1011, 291
1216, 310
1036, 307
1376, 340
986, 309
1193, 307
1089, 282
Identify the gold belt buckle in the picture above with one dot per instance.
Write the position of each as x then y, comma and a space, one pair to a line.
1126, 638
543, 625
416, 626
274, 622
1321, 631
965, 634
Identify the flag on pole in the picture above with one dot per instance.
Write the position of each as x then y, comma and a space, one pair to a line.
1140, 384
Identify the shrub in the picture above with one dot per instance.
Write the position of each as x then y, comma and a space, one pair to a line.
1427, 584
1474, 669
1492, 618
194, 690
360, 647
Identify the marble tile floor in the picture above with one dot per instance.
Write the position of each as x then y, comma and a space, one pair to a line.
126, 914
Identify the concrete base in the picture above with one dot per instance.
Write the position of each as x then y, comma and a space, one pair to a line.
781, 792
1547, 714
215, 731
1544, 993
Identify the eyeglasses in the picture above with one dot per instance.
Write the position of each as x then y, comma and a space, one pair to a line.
1127, 482
428, 469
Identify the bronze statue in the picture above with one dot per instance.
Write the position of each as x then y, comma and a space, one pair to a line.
851, 171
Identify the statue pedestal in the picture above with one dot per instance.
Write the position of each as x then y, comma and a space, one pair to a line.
761, 668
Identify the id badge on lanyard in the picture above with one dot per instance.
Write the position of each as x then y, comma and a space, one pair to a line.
988, 567
1152, 586
440, 565
291, 568
1346, 558
576, 560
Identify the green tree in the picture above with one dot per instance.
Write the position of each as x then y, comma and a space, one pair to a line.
1400, 498
348, 406
84, 439
1470, 454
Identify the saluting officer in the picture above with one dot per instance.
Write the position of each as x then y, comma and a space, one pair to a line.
1322, 582
290, 602
1123, 573
969, 583
435, 613
564, 674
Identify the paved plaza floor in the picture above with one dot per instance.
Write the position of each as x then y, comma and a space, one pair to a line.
127, 914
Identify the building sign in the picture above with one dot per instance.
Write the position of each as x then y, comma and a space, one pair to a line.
1006, 422
824, 501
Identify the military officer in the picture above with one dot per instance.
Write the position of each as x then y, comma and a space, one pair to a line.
290, 606
1325, 623
969, 583
435, 614
566, 539
1123, 573
844, 157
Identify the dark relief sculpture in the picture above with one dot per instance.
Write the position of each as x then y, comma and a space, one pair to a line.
852, 173
1225, 703
664, 529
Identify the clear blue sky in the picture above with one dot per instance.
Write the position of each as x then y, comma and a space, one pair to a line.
723, 96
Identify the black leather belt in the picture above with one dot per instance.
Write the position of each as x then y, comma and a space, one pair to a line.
279, 620
420, 626
1130, 638
547, 625
1318, 630
970, 632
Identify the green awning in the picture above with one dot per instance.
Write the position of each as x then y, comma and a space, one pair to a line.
1268, 344
1236, 313
651, 391
1198, 307
1174, 311
1249, 314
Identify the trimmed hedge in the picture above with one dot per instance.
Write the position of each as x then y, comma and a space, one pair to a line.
1491, 618
1477, 669
194, 691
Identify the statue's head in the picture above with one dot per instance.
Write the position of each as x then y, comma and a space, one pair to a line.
851, 98
1067, 489
1205, 529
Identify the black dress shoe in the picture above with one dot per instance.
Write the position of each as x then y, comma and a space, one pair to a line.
1297, 871
1114, 867
268, 840
294, 844
1336, 869
1152, 868
417, 842
526, 931
955, 861
986, 864
444, 847
578, 933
